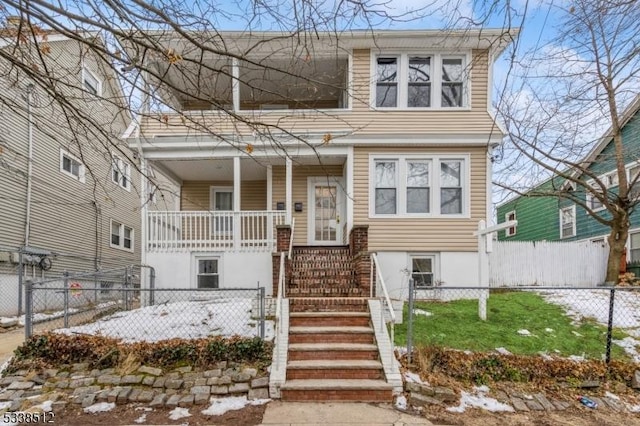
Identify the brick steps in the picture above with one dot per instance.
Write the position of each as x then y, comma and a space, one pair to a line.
328, 304
334, 351
346, 390
329, 319
335, 369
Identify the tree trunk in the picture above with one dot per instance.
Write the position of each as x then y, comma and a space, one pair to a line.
617, 243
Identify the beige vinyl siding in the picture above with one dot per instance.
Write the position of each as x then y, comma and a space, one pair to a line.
361, 120
299, 192
68, 217
196, 194
429, 234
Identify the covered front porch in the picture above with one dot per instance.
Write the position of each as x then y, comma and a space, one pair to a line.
235, 203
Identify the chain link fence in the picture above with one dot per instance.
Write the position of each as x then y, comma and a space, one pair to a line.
115, 304
579, 323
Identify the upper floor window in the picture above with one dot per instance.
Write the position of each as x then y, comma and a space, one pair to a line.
420, 81
90, 82
121, 173
405, 185
387, 82
568, 222
509, 216
71, 166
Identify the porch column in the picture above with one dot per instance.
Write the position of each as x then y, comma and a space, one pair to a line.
349, 189
236, 203
289, 188
235, 84
270, 217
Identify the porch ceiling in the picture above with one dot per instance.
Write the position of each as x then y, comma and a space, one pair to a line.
222, 169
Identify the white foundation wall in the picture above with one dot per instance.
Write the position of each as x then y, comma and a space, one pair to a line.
453, 269
238, 270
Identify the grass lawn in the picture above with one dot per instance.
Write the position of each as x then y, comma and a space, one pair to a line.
456, 325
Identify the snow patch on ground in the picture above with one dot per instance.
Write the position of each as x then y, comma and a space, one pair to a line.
422, 312
410, 377
503, 351
524, 332
188, 319
576, 358
141, 419
478, 399
401, 402
630, 346
612, 396
5, 364
633, 408
179, 413
549, 330
100, 407
5, 404
220, 406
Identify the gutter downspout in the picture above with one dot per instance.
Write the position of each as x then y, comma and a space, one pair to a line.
27, 227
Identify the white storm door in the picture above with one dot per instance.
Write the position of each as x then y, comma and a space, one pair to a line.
325, 212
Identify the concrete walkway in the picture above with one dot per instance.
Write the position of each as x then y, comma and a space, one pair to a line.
9, 341
280, 413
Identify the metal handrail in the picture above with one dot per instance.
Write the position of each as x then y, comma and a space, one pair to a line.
386, 299
293, 227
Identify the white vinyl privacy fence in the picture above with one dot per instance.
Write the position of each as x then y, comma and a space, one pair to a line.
543, 263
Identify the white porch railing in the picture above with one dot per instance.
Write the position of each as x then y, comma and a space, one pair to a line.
384, 299
221, 230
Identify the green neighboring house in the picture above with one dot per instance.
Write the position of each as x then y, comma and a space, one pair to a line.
558, 219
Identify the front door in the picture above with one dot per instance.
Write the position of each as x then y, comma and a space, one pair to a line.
325, 211
222, 201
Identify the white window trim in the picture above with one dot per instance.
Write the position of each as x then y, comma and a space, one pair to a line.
434, 182
573, 234
86, 71
121, 233
436, 84
435, 264
81, 169
628, 168
195, 271
118, 161
507, 231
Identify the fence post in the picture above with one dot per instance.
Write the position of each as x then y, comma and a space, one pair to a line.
262, 313
125, 285
152, 285
20, 278
66, 299
28, 315
612, 296
409, 323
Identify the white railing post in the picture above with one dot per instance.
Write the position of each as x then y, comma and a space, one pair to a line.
386, 300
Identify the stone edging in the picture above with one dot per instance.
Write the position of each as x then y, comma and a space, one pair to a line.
75, 384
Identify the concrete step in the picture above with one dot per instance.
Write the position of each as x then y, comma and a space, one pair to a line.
352, 390
329, 319
335, 351
335, 369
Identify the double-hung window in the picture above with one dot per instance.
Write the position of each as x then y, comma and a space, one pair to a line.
90, 82
634, 182
509, 216
452, 82
71, 166
593, 202
121, 236
420, 81
568, 222
208, 273
451, 187
413, 185
121, 173
634, 246
387, 82
386, 191
417, 186
422, 271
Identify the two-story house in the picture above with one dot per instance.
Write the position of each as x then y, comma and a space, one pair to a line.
379, 138
554, 219
71, 186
